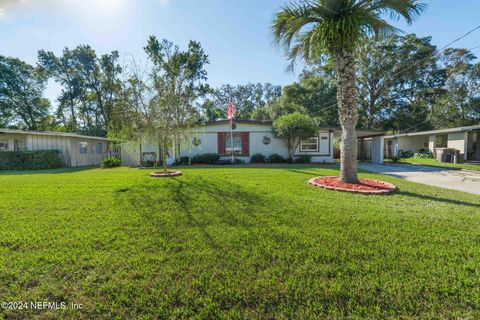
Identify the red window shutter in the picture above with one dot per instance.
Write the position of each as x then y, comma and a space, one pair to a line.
245, 143
221, 142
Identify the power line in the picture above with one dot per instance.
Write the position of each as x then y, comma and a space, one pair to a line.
437, 51
425, 58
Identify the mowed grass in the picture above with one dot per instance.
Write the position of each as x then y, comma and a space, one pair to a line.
234, 243
435, 163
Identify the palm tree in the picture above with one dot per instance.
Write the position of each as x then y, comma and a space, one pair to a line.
311, 29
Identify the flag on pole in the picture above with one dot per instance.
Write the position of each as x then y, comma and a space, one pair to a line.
231, 110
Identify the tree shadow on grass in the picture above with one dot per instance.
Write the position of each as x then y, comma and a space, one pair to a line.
437, 199
239, 205
305, 172
45, 171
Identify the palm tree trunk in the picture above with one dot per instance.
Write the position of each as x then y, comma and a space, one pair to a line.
347, 112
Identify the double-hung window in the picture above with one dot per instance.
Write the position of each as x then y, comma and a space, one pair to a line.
98, 148
237, 144
83, 147
3, 145
310, 144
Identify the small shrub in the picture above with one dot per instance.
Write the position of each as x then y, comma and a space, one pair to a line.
111, 162
423, 155
303, 159
30, 160
206, 158
183, 161
258, 158
405, 154
275, 158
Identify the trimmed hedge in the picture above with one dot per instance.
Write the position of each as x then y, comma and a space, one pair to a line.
30, 160
303, 159
206, 158
258, 158
275, 158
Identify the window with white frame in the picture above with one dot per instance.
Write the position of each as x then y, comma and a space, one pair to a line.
237, 144
19, 145
83, 147
3, 145
99, 148
310, 144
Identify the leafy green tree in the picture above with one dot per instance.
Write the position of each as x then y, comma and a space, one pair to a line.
90, 87
293, 128
315, 28
459, 105
158, 104
247, 98
178, 76
22, 103
312, 95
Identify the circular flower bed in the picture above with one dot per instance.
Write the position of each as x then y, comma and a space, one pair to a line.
165, 174
365, 186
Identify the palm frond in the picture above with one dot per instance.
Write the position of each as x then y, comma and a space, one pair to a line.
307, 28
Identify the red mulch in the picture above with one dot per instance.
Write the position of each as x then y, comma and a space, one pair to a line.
165, 174
366, 186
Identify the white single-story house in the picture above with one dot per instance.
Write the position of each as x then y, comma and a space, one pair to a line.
465, 140
75, 150
251, 137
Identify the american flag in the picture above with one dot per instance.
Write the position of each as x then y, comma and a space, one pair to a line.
230, 110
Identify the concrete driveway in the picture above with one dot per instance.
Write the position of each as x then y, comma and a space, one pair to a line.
467, 181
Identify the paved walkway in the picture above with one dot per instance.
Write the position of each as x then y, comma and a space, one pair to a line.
467, 181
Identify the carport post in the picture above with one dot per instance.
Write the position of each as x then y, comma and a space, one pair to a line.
378, 145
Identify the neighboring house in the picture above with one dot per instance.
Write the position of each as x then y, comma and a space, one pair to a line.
76, 150
464, 139
251, 137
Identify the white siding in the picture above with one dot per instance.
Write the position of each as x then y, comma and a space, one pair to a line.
414, 144
458, 140
257, 131
91, 158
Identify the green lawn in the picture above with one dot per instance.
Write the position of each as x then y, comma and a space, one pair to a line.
433, 162
236, 243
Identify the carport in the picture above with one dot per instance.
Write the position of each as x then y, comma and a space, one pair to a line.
370, 144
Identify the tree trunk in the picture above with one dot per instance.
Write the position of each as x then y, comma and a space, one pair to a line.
164, 157
347, 112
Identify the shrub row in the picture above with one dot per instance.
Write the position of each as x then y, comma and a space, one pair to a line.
419, 155
30, 160
276, 158
206, 158
214, 158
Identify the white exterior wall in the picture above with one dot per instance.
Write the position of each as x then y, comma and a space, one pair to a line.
431, 143
414, 143
91, 158
458, 140
68, 147
378, 144
208, 136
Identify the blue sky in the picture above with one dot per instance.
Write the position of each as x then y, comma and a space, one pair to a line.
234, 33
